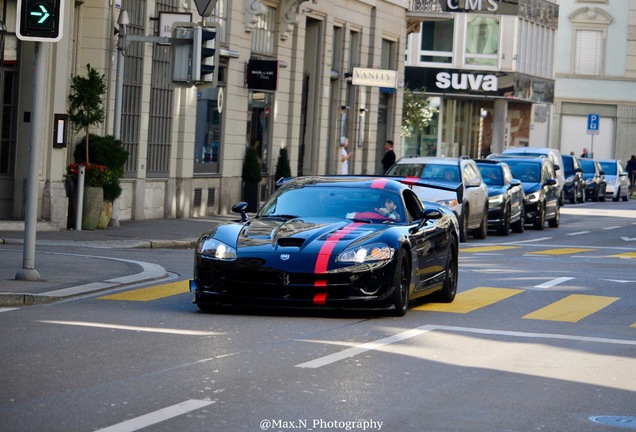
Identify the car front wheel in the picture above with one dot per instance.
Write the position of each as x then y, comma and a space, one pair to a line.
539, 224
401, 282
463, 225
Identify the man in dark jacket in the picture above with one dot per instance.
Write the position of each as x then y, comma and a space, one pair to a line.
631, 171
389, 156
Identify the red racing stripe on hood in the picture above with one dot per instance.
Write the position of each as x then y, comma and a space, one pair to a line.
320, 299
324, 254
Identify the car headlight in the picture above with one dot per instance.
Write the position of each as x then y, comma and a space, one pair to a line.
448, 203
213, 248
589, 181
495, 201
367, 253
532, 198
569, 180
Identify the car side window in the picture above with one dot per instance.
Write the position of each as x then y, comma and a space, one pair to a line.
413, 204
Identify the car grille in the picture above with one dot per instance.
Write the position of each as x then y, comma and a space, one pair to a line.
275, 284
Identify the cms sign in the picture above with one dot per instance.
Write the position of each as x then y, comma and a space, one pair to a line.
473, 5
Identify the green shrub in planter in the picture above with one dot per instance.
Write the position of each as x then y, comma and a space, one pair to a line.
283, 169
107, 151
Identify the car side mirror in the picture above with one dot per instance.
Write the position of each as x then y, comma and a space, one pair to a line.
578, 170
515, 182
550, 182
242, 209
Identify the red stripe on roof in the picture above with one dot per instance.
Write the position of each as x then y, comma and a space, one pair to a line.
378, 183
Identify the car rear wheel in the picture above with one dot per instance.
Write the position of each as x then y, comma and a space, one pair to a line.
618, 195
626, 197
401, 282
582, 197
539, 224
449, 290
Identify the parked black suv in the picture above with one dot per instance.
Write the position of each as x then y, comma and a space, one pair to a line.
541, 200
574, 187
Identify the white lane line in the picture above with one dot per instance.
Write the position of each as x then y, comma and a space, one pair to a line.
134, 328
158, 416
8, 309
579, 233
612, 227
553, 282
350, 352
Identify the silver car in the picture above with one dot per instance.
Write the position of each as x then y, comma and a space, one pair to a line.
616, 178
470, 206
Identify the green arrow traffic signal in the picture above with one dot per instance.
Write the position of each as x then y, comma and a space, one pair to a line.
43, 14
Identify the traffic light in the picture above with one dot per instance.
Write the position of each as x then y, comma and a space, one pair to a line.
205, 55
40, 20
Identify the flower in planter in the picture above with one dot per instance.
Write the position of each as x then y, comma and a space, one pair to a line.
95, 175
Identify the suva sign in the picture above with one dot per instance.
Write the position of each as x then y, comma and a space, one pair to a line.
474, 5
465, 81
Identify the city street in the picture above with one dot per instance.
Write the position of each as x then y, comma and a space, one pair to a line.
541, 337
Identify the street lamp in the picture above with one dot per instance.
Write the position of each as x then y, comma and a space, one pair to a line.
482, 115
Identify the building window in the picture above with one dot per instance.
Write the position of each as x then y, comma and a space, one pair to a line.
264, 34
482, 41
588, 52
436, 43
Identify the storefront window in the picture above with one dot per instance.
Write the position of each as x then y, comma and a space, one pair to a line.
208, 131
482, 41
437, 41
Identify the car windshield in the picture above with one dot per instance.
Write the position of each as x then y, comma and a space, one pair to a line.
339, 202
526, 172
568, 165
429, 171
491, 175
609, 168
588, 166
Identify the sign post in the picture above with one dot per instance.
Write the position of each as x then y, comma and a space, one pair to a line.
593, 122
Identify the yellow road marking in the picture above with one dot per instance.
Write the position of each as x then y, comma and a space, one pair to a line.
561, 251
151, 293
625, 255
471, 300
572, 308
487, 248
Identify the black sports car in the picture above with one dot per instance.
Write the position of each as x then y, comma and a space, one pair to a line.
339, 242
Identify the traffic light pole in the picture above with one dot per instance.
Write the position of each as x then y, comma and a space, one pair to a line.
28, 271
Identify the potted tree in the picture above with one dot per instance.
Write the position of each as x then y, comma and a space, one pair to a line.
85, 110
108, 151
252, 175
283, 169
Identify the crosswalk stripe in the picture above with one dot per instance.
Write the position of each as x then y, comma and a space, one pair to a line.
471, 300
151, 293
631, 255
487, 248
560, 251
572, 308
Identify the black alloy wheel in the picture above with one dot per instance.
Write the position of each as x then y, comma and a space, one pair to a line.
449, 289
401, 283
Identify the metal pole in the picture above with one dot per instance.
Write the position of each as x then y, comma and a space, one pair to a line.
79, 207
28, 271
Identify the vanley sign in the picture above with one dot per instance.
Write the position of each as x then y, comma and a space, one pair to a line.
374, 77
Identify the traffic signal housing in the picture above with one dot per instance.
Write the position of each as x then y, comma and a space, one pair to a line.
205, 56
40, 20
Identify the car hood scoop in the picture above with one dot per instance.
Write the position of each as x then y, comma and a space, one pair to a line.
274, 233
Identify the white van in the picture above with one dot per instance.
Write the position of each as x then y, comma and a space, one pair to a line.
553, 154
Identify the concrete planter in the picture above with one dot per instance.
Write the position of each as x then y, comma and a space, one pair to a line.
92, 207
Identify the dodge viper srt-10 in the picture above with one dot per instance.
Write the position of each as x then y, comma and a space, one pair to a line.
332, 242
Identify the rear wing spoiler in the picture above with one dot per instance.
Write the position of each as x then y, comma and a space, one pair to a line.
418, 182
409, 181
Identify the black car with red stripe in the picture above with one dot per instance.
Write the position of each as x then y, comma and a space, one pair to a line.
332, 241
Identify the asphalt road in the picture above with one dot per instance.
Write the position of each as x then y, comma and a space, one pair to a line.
542, 337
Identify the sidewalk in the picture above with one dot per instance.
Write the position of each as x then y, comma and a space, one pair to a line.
61, 275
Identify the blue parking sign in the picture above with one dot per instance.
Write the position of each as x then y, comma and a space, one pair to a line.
593, 121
